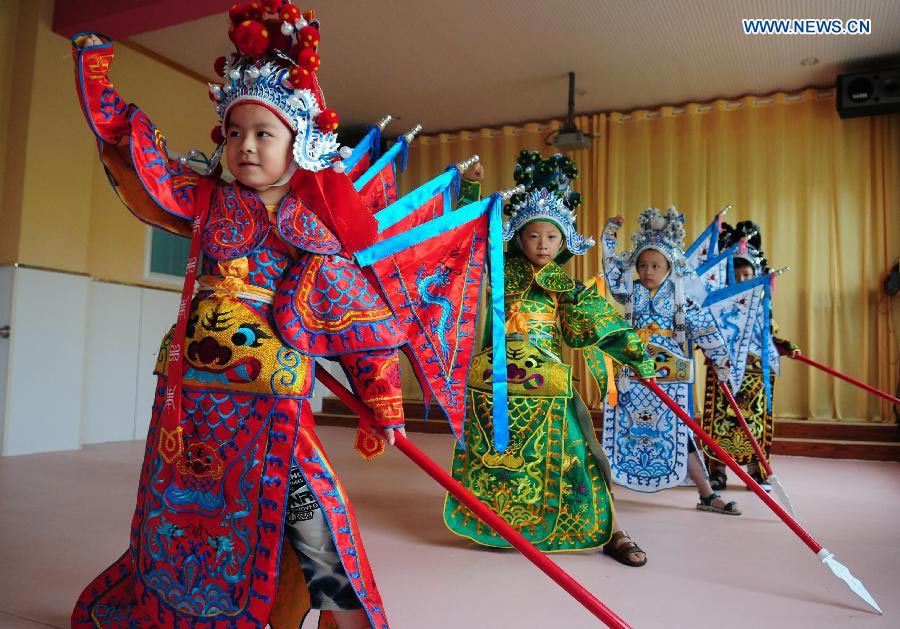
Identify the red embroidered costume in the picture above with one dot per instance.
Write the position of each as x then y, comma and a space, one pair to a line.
275, 292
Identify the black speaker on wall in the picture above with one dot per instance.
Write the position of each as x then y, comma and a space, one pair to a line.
868, 93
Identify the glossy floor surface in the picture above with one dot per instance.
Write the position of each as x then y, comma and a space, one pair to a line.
65, 516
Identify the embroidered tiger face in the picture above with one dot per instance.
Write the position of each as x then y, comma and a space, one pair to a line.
528, 371
229, 346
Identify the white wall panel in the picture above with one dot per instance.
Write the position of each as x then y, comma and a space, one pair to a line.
7, 276
46, 359
111, 362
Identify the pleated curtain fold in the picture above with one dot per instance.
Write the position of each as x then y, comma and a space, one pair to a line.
824, 191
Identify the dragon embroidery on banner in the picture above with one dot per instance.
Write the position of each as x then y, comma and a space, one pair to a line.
442, 325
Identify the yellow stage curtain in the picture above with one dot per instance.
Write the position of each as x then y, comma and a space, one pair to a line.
825, 192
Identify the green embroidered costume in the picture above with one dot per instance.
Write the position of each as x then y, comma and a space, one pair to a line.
552, 481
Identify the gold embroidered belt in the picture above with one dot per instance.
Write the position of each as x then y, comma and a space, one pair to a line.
517, 321
646, 333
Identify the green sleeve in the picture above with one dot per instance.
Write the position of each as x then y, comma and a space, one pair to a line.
588, 322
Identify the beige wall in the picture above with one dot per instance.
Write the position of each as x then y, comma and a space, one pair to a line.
58, 210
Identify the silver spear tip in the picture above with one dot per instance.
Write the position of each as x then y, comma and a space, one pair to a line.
384, 122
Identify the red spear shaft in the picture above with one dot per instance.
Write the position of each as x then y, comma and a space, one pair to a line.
562, 578
837, 374
823, 553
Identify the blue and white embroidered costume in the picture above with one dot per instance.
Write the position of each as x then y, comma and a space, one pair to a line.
645, 442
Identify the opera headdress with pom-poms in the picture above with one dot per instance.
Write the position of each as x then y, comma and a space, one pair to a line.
275, 66
662, 232
548, 197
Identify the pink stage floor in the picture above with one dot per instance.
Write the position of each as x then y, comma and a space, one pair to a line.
65, 516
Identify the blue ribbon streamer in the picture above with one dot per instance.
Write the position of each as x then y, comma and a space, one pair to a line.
731, 291
370, 144
410, 202
394, 244
400, 149
500, 409
766, 341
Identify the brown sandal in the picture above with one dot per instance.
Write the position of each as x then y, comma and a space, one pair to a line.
620, 550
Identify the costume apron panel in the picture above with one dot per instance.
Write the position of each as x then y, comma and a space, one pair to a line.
548, 483
645, 442
721, 423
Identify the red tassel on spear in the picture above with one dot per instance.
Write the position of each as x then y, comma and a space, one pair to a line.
823, 553
773, 480
562, 578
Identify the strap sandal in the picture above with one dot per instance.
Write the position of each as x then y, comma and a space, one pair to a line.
706, 504
621, 551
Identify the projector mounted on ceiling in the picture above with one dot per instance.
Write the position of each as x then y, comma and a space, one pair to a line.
568, 137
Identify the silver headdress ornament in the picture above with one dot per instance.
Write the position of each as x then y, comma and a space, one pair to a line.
264, 83
662, 232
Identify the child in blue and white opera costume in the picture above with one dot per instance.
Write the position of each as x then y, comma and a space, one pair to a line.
649, 448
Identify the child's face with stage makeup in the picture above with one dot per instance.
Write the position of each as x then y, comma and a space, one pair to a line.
541, 242
258, 146
652, 268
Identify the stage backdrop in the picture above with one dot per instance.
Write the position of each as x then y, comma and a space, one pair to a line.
825, 192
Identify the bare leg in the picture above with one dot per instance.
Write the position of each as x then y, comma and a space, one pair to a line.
698, 475
355, 619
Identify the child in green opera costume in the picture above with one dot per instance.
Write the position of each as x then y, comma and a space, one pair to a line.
552, 481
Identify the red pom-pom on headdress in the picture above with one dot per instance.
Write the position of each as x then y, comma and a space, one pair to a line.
219, 65
309, 60
327, 120
301, 78
308, 36
289, 13
272, 6
216, 135
243, 11
251, 38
